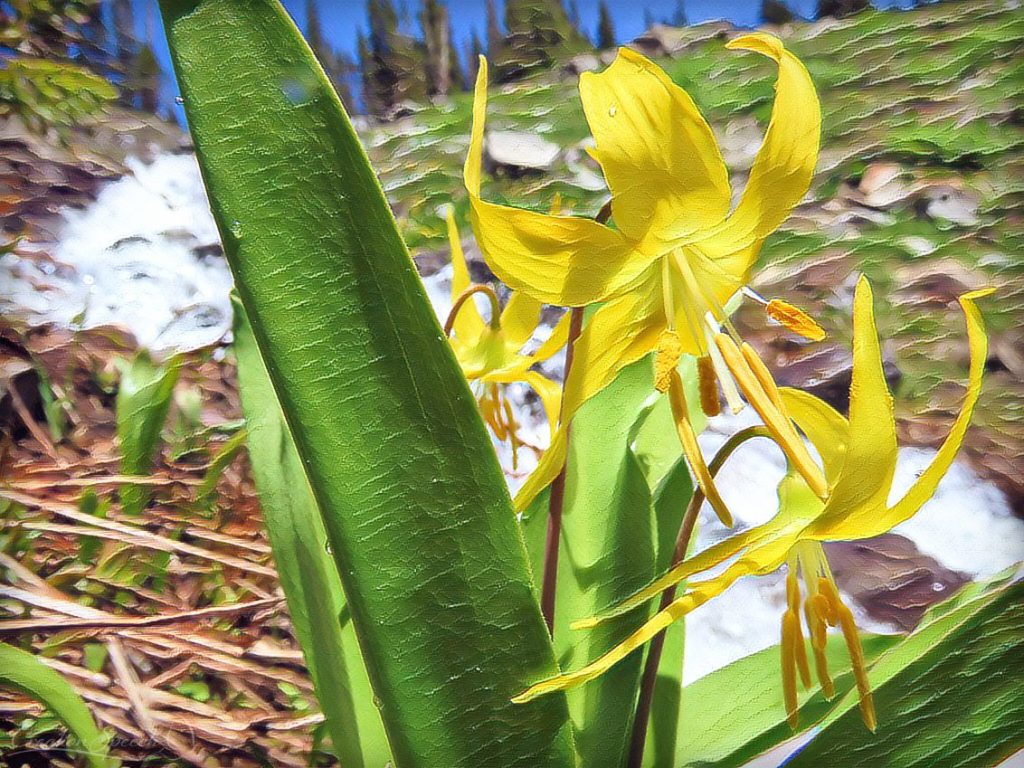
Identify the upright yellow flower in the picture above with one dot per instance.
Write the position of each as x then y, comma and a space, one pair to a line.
490, 353
846, 498
676, 254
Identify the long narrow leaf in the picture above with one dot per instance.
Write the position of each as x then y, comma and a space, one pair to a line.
947, 696
24, 672
413, 500
143, 399
308, 576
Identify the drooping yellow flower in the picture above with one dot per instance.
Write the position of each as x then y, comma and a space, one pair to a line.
490, 353
845, 498
676, 254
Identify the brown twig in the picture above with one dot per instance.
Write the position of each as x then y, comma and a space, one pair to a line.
134, 622
556, 501
645, 699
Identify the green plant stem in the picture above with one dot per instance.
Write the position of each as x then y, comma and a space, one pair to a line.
650, 675
556, 503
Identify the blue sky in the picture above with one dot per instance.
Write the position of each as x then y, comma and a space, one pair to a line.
342, 19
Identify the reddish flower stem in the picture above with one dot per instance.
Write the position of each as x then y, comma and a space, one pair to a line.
650, 675
557, 499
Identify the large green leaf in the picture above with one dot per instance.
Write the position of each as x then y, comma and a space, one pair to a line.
308, 576
143, 399
412, 497
24, 672
613, 535
606, 553
737, 712
948, 696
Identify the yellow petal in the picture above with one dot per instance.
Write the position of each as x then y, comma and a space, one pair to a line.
658, 155
550, 395
468, 323
560, 260
559, 338
873, 521
697, 594
871, 450
702, 561
519, 319
825, 427
619, 333
547, 469
555, 259
782, 171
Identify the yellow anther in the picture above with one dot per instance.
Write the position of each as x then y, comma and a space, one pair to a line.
794, 319
816, 626
709, 401
792, 590
512, 426
789, 670
860, 671
666, 358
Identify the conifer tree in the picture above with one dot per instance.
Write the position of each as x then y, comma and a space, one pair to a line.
538, 34
456, 73
679, 18
436, 38
775, 12
605, 27
476, 50
840, 8
495, 37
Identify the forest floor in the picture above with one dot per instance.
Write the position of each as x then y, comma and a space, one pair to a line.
171, 625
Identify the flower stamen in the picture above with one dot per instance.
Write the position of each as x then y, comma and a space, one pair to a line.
691, 448
708, 382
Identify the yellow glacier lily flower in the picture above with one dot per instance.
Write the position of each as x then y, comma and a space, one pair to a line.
490, 353
844, 498
676, 254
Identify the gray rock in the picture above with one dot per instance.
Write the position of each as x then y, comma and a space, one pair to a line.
517, 153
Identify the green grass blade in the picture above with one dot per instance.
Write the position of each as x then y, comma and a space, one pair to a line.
412, 497
24, 672
143, 399
308, 576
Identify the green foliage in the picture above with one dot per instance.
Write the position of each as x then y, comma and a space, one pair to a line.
412, 499
735, 729
47, 93
309, 579
947, 696
25, 673
143, 400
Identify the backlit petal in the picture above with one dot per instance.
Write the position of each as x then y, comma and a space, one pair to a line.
468, 323
868, 521
550, 394
519, 319
871, 450
559, 338
782, 171
824, 426
555, 259
619, 333
659, 157
770, 557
